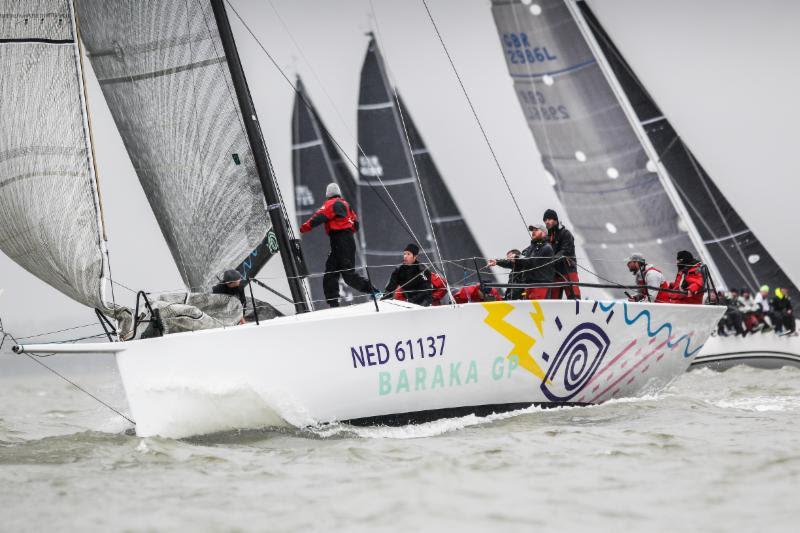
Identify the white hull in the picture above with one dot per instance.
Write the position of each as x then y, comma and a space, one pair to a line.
760, 350
354, 364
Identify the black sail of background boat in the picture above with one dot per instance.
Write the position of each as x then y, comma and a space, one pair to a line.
393, 155
316, 162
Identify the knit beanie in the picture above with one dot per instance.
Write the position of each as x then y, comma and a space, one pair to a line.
332, 190
550, 214
413, 248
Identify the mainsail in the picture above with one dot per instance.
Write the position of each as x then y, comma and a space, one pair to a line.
456, 242
316, 162
394, 216
612, 192
50, 221
740, 257
163, 72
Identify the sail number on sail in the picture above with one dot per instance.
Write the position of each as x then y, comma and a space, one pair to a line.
536, 107
520, 51
379, 353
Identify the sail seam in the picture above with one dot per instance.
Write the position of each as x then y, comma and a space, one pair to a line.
309, 144
564, 70
37, 41
165, 72
370, 107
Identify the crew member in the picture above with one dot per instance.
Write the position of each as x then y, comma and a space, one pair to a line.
535, 265
566, 266
647, 276
231, 285
341, 222
412, 278
782, 305
689, 280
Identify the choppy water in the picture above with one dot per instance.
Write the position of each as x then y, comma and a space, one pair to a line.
715, 452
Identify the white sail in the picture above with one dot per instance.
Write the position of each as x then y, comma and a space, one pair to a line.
163, 72
50, 220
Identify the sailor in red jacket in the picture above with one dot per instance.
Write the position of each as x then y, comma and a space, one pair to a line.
341, 222
689, 280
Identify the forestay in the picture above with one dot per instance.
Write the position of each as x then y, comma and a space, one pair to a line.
50, 221
164, 75
738, 254
601, 172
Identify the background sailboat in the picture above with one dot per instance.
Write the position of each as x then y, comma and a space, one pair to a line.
739, 255
395, 157
316, 162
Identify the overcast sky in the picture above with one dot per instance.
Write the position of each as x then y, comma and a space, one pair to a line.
724, 73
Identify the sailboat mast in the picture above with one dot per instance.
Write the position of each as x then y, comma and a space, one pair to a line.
261, 157
627, 108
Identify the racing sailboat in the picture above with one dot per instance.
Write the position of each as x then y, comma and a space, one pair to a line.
601, 134
386, 362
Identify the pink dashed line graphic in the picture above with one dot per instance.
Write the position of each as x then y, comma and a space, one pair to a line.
616, 358
631, 369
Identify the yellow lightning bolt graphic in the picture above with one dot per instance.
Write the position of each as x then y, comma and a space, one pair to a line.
522, 342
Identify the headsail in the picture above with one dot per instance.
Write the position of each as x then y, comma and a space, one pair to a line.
316, 162
50, 222
386, 161
456, 242
163, 72
616, 200
740, 257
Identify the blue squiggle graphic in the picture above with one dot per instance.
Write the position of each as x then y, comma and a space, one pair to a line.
666, 325
606, 307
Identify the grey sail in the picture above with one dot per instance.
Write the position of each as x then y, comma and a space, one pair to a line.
316, 162
616, 201
456, 242
163, 72
50, 221
739, 255
395, 215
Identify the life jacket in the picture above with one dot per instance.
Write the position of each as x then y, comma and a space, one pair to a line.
334, 223
661, 297
691, 281
439, 290
472, 293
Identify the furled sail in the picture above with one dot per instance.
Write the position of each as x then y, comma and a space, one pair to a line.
456, 242
163, 72
50, 221
389, 221
610, 189
316, 162
740, 257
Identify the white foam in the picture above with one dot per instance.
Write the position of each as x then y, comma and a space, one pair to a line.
760, 404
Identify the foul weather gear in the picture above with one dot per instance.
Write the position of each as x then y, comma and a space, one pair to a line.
336, 214
415, 282
689, 280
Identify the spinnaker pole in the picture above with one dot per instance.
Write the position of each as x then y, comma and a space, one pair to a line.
261, 157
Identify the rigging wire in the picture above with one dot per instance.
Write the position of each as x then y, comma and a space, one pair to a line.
403, 222
410, 155
475, 115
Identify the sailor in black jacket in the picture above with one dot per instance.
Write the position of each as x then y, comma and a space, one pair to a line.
533, 265
412, 278
563, 244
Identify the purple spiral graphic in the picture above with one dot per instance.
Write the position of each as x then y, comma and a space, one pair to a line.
576, 362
